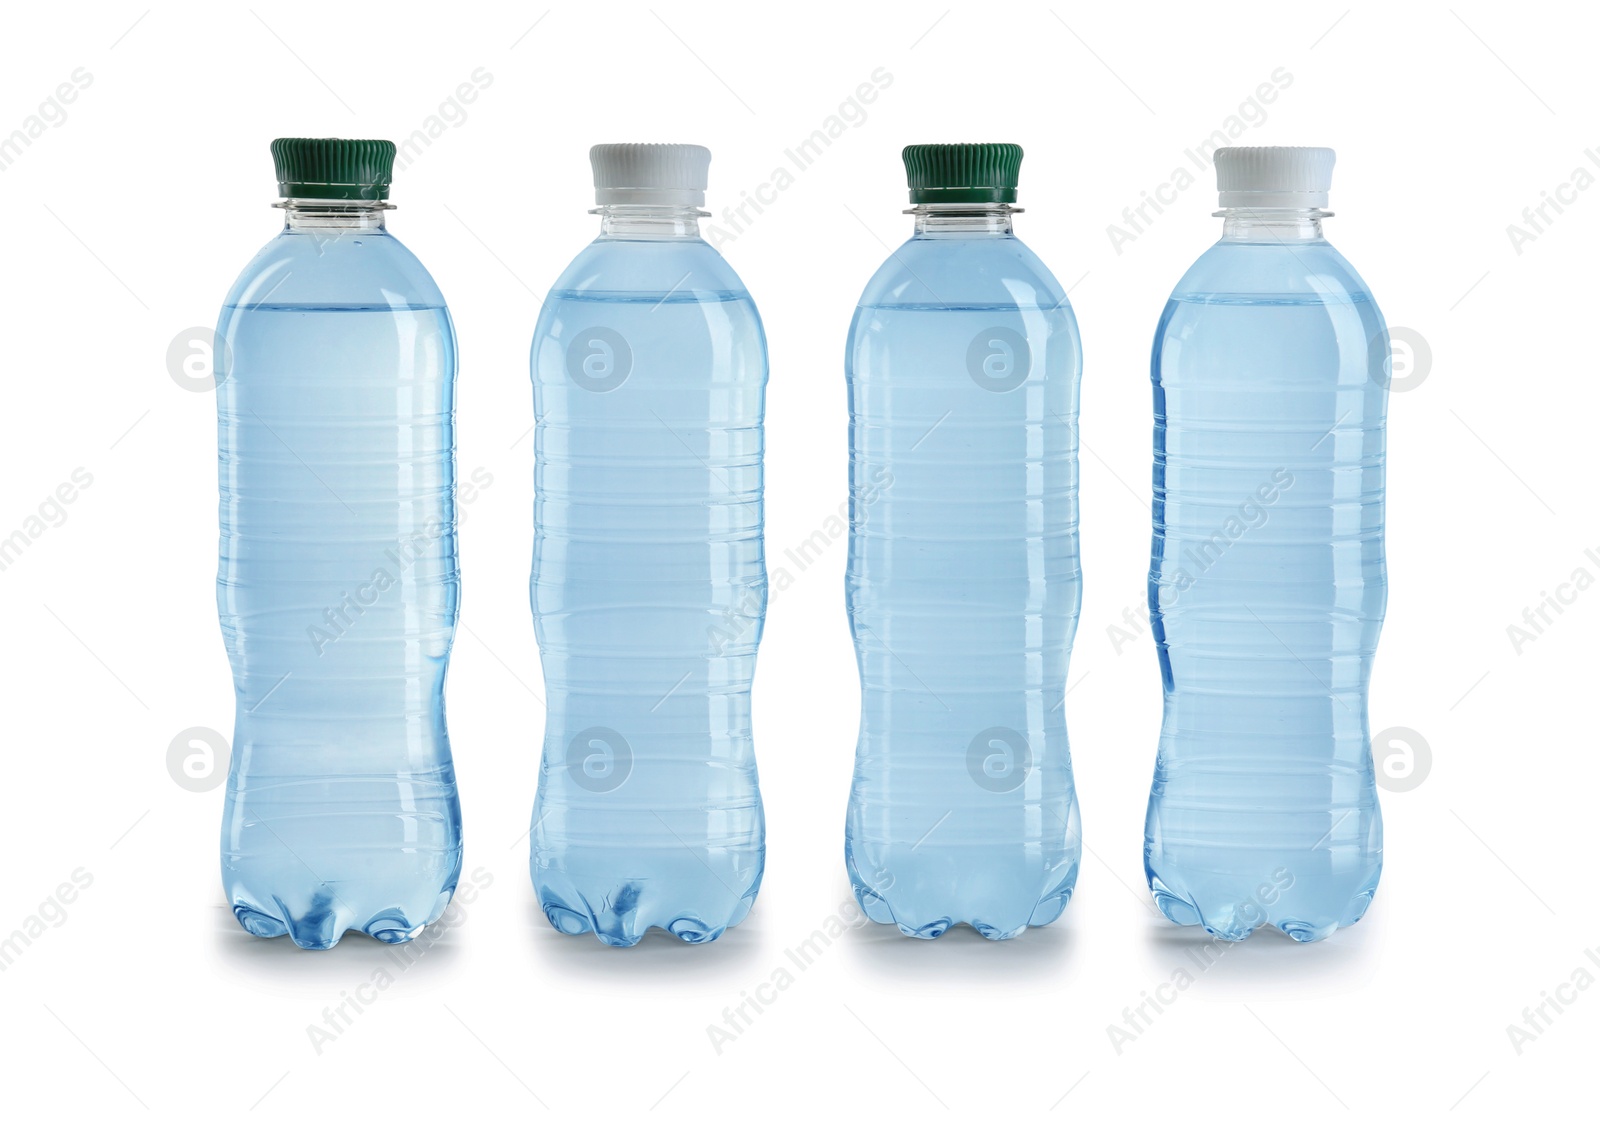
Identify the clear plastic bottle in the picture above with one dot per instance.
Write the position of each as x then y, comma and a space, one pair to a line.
1267, 582
337, 583
963, 583
649, 582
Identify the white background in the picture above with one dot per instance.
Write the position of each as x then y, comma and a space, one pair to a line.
126, 223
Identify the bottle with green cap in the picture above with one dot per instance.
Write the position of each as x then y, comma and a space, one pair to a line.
337, 585
963, 584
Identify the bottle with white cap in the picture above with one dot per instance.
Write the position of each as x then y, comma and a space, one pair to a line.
1267, 580
649, 582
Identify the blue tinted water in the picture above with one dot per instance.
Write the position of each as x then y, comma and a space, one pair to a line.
648, 590
963, 587
337, 588
1267, 591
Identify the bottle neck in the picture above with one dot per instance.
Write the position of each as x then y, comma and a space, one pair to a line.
649, 223
964, 220
332, 215
1247, 224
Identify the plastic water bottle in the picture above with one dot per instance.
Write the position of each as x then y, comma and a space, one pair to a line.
963, 582
337, 583
649, 583
1267, 580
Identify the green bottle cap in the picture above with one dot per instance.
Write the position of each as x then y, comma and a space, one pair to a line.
332, 168
981, 173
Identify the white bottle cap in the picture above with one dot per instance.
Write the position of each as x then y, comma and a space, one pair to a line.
650, 174
1274, 177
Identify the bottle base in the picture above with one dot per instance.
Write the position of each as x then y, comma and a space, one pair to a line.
927, 910
312, 857
1298, 911
692, 908
325, 919
879, 911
